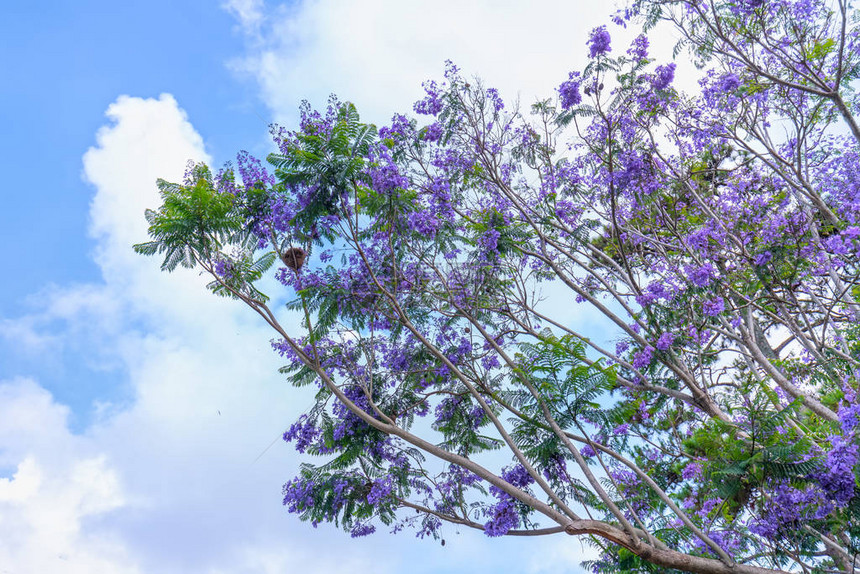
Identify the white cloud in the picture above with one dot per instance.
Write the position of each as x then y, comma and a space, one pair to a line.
249, 13
377, 53
60, 482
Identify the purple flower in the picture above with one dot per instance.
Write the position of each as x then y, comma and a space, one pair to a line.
424, 222
223, 268
252, 171
433, 132
569, 91
598, 42
432, 104
298, 495
729, 83
652, 293
788, 508
495, 99
504, 517
665, 341
490, 362
477, 416
386, 176
639, 47
692, 470
362, 529
380, 490
849, 417
303, 432
762, 258
643, 358
663, 76
701, 276
518, 476
837, 480
489, 241
713, 307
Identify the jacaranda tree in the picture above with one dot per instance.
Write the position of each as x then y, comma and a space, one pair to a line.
708, 425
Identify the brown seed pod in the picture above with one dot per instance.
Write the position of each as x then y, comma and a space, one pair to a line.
294, 258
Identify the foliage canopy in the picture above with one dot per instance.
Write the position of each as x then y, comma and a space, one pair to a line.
709, 424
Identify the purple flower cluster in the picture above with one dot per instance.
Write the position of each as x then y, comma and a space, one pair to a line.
489, 240
653, 293
252, 171
701, 276
569, 91
432, 103
713, 307
223, 268
298, 495
762, 258
350, 423
664, 342
381, 490
639, 48
849, 417
729, 83
643, 358
424, 222
361, 529
433, 132
788, 508
598, 42
663, 77
518, 476
401, 128
385, 176
504, 514
495, 99
503, 517
304, 432
691, 471
837, 479
225, 181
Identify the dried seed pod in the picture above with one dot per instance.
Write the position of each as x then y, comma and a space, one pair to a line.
294, 258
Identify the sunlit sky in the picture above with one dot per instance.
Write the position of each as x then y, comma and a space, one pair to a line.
140, 415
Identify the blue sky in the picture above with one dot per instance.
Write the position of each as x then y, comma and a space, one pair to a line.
63, 64
133, 405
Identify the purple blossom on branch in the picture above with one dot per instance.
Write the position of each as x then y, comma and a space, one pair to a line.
664, 343
691, 471
569, 91
598, 42
713, 307
642, 359
702, 275
639, 48
663, 77
729, 83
